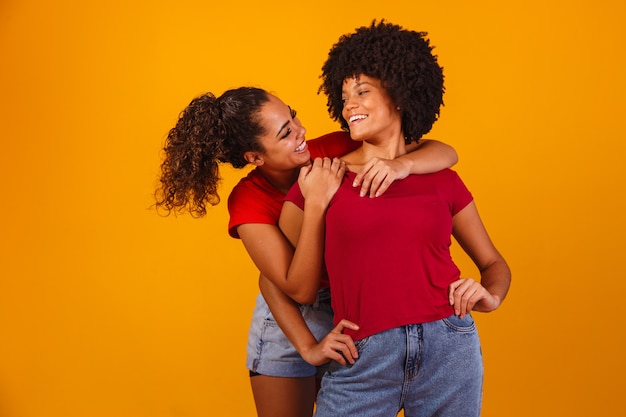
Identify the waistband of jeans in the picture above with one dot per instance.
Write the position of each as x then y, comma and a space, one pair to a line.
323, 294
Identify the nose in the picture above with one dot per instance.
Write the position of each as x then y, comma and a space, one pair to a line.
301, 129
349, 103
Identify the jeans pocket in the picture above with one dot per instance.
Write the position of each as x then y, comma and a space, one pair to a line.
360, 344
334, 366
463, 325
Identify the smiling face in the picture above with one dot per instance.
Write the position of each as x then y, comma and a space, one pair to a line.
368, 109
283, 142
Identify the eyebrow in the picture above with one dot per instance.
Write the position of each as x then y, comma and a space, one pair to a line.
357, 85
285, 124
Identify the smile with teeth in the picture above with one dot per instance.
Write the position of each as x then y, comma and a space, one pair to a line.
357, 117
301, 147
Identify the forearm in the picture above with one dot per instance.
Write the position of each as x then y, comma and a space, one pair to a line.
305, 229
287, 314
306, 266
496, 279
273, 255
432, 156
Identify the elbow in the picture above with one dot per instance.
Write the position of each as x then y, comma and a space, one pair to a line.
454, 157
304, 297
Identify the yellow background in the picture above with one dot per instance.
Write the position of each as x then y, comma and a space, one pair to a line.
108, 310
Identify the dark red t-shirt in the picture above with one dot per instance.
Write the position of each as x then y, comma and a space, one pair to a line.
388, 258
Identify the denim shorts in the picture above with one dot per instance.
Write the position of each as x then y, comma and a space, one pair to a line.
428, 369
270, 353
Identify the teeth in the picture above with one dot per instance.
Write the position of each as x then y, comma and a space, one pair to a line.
357, 117
301, 147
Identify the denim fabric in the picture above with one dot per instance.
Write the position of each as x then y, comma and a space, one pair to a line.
270, 353
430, 369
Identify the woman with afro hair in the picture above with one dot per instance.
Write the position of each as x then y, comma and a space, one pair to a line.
249, 126
388, 259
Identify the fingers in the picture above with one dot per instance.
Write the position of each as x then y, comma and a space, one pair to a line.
377, 175
345, 324
342, 344
320, 181
340, 167
340, 348
459, 297
378, 189
463, 294
304, 171
335, 165
368, 179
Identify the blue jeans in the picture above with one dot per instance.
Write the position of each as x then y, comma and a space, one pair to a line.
429, 369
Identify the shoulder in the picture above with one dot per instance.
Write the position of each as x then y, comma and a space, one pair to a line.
444, 175
332, 136
244, 184
252, 186
253, 200
332, 145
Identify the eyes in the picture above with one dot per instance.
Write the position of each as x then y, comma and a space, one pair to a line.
360, 92
287, 132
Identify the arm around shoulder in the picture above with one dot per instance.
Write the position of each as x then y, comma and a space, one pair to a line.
424, 157
428, 156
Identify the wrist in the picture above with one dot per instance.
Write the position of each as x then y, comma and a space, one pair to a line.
496, 301
315, 206
304, 349
407, 165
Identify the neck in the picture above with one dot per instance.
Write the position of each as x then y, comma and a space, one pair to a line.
281, 180
387, 148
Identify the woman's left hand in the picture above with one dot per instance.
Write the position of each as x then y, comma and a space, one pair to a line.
466, 294
378, 174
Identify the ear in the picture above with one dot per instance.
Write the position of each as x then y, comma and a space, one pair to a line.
254, 158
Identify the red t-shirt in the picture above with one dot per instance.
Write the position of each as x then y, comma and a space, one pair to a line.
388, 258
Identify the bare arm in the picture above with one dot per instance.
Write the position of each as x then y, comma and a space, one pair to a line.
292, 277
495, 275
423, 157
297, 272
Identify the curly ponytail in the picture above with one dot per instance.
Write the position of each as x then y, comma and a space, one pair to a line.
209, 131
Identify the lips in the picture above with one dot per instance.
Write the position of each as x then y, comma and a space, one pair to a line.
356, 117
301, 147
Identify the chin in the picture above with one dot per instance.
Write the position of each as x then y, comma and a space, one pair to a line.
357, 137
304, 158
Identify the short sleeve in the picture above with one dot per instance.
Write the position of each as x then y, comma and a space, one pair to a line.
457, 193
295, 196
249, 203
332, 145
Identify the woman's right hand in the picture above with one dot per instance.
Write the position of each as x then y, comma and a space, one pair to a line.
335, 346
320, 180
